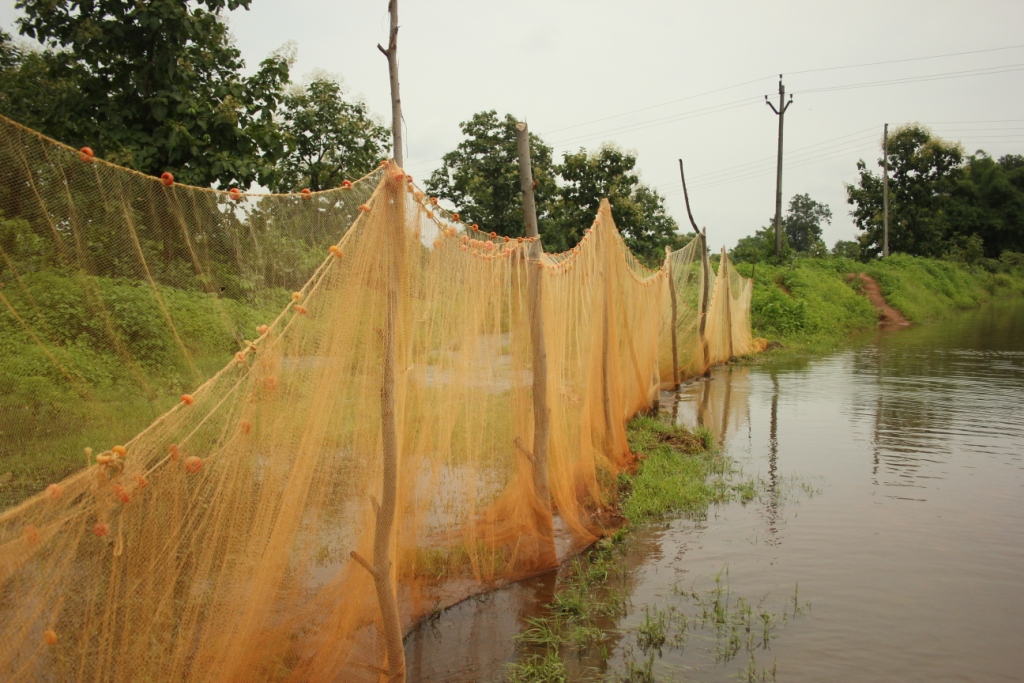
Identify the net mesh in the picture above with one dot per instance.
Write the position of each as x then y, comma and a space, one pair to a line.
259, 436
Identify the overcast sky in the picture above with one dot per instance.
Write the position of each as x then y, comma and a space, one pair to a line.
676, 79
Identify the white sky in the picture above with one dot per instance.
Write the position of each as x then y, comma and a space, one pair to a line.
638, 74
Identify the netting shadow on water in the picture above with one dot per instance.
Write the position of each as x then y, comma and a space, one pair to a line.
261, 422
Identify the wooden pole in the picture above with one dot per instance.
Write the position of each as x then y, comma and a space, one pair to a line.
781, 113
885, 192
541, 412
686, 196
396, 101
672, 294
381, 571
385, 512
706, 270
726, 266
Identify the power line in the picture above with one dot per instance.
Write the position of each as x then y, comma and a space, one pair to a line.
655, 106
908, 59
772, 76
987, 71
694, 113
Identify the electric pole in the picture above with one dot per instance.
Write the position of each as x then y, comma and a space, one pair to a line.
781, 113
885, 192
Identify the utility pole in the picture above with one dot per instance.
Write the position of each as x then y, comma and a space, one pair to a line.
781, 113
885, 192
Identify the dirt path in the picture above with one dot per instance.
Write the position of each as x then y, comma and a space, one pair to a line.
887, 315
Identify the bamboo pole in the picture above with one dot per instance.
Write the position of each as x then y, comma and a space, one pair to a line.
541, 412
672, 293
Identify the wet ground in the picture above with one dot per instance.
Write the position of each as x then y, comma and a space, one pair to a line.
887, 542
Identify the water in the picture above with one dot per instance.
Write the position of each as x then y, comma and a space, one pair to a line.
892, 493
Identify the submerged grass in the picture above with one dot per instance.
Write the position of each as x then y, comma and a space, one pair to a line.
679, 473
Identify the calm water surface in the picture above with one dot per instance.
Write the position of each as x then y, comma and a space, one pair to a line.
892, 492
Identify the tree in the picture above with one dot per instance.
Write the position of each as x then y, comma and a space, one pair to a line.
30, 91
481, 176
847, 249
801, 234
924, 172
327, 139
760, 247
988, 204
158, 87
803, 222
639, 212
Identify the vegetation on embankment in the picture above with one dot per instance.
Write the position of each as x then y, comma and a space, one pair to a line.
679, 473
814, 303
103, 364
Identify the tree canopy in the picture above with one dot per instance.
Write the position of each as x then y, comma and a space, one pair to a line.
326, 138
159, 86
639, 211
801, 235
941, 202
803, 222
481, 177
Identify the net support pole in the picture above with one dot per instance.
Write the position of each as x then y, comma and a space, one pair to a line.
705, 266
385, 511
726, 266
396, 100
541, 411
383, 584
675, 312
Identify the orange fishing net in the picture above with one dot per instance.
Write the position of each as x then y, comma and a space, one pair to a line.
259, 436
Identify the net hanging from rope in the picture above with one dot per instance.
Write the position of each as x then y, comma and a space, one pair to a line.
198, 375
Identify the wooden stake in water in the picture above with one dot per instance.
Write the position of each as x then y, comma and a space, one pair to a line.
672, 294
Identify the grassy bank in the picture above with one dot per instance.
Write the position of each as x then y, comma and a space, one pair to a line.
680, 473
100, 363
813, 303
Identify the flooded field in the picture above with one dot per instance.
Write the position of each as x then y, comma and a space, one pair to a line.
886, 543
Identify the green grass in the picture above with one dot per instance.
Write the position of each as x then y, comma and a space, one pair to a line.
679, 473
812, 304
120, 365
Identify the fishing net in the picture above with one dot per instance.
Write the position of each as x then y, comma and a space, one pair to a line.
257, 437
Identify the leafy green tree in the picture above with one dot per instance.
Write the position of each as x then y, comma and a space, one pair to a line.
847, 249
803, 222
327, 139
924, 172
158, 86
30, 91
989, 205
639, 212
760, 247
481, 176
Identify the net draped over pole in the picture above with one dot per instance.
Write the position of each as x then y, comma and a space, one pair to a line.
220, 356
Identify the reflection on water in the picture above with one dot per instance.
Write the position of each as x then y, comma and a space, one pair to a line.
912, 554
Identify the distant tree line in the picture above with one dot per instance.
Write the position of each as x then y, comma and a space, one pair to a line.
942, 204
